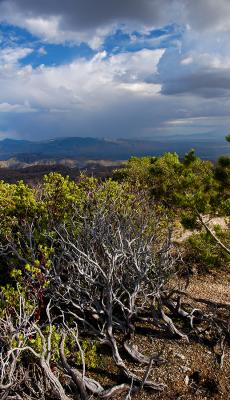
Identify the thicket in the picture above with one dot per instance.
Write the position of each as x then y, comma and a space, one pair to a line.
82, 263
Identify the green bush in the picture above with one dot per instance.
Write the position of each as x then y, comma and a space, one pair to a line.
204, 252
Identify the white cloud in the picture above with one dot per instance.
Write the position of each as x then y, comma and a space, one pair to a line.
141, 88
13, 55
81, 84
105, 96
43, 27
42, 51
187, 60
137, 65
15, 108
212, 61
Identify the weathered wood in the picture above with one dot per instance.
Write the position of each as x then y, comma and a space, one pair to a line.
114, 391
77, 378
141, 358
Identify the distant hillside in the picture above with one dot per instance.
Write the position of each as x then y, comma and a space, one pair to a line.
77, 148
12, 171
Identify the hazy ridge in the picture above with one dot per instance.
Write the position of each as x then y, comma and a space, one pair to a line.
77, 148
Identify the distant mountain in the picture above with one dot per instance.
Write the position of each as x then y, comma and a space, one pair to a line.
78, 148
73, 147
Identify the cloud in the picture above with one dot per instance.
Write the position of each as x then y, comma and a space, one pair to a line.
18, 108
175, 88
80, 92
204, 83
42, 51
103, 97
208, 14
83, 82
84, 14
84, 20
13, 55
194, 72
198, 63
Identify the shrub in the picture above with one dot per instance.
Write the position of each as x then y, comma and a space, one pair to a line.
203, 251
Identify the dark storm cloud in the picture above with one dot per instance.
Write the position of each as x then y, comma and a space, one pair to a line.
203, 83
89, 14
207, 14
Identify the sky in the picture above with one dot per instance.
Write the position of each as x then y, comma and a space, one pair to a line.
115, 69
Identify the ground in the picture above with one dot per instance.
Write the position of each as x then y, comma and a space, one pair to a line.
192, 370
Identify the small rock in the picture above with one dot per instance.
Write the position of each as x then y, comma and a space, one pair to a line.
181, 356
185, 369
186, 380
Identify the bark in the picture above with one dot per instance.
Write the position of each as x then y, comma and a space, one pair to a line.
77, 378
141, 358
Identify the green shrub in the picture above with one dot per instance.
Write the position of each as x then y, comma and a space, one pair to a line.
204, 252
89, 348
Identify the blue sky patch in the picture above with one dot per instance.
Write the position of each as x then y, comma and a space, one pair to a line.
58, 54
13, 36
43, 53
121, 41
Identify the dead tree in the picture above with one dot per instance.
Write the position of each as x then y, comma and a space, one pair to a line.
111, 271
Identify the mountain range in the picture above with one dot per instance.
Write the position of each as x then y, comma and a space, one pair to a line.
78, 148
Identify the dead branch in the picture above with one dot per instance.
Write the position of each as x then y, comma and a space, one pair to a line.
141, 358
212, 234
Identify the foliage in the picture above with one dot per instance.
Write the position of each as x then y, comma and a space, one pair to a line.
203, 252
82, 261
136, 170
185, 189
91, 358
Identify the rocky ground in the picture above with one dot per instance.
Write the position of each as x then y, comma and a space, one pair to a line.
196, 370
